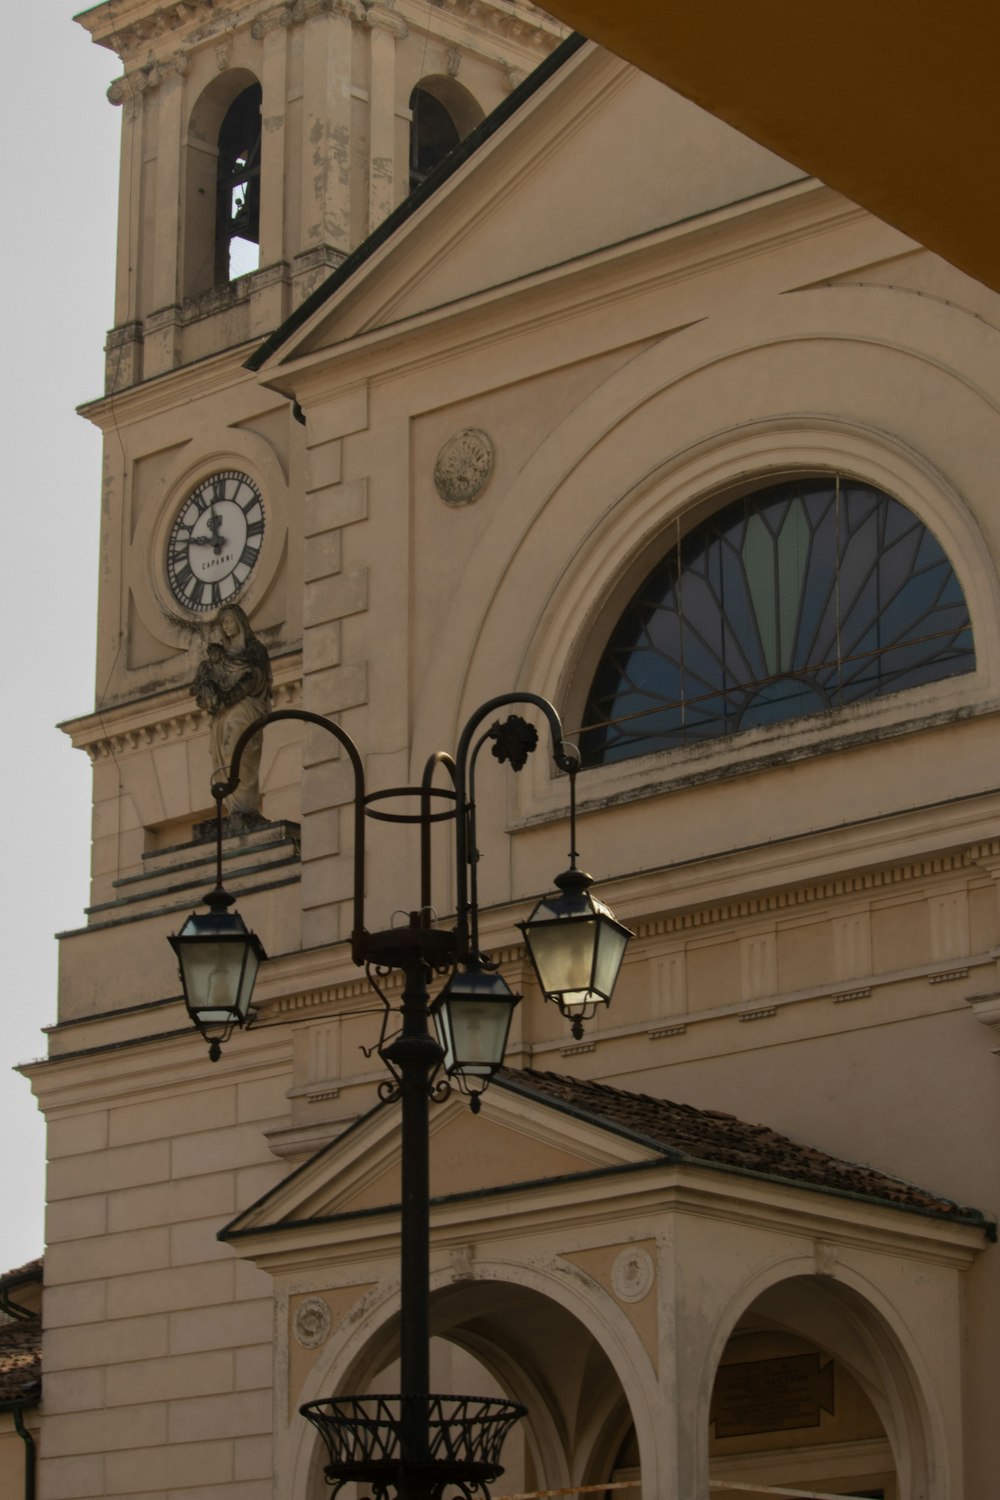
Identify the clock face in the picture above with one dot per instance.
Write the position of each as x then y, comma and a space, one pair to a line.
215, 541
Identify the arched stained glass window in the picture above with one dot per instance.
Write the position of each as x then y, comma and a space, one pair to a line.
804, 596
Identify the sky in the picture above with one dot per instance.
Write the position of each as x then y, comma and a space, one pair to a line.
59, 178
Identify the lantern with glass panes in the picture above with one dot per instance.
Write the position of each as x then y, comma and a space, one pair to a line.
575, 944
576, 948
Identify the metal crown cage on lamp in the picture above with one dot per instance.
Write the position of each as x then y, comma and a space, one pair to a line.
416, 1445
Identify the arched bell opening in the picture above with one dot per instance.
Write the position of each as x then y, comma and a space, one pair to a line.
220, 236
812, 1393
442, 113
237, 197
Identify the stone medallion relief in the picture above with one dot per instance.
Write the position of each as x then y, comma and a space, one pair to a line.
312, 1323
464, 466
632, 1274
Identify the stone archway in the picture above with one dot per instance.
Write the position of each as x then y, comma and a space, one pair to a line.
499, 1337
814, 1390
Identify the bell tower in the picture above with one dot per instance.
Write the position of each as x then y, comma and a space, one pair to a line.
262, 142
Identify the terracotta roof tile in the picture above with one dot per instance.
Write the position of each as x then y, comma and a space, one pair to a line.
708, 1137
20, 1341
21, 1360
30, 1271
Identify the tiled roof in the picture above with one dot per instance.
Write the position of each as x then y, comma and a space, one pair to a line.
21, 1360
20, 1342
30, 1271
707, 1137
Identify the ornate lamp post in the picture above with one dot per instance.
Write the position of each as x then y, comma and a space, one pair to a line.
415, 1446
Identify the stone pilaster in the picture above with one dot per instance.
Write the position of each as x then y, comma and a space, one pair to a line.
326, 121
331, 684
386, 29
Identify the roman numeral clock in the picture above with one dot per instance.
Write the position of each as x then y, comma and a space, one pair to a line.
215, 541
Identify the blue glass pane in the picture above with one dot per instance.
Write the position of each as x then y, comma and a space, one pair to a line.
782, 698
787, 602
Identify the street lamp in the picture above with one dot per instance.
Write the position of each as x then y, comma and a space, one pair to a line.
415, 1445
576, 947
218, 958
472, 1017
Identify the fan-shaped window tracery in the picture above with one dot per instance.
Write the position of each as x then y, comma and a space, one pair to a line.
804, 596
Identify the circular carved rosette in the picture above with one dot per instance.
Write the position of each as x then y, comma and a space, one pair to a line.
632, 1274
312, 1323
464, 465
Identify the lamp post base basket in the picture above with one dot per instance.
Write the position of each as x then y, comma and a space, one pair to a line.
366, 1443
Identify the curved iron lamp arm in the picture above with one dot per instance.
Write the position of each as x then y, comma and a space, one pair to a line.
461, 770
223, 789
439, 758
566, 757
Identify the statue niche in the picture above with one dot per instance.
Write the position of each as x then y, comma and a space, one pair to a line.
233, 686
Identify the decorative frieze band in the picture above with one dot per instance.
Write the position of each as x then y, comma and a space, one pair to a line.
169, 15
806, 895
326, 995
294, 12
520, 23
142, 33
322, 996
178, 725
140, 80
862, 993
152, 73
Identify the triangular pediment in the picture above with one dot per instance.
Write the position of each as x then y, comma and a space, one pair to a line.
514, 1142
599, 155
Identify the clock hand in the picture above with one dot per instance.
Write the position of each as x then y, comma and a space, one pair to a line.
214, 523
218, 542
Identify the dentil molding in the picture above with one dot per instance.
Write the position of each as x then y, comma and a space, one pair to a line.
101, 737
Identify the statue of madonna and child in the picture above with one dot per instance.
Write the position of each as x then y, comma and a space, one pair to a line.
233, 686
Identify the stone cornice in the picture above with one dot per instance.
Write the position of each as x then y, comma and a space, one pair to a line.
153, 1060
837, 1225
612, 277
163, 25
151, 29
167, 716
512, 20
385, 17
140, 80
295, 12
126, 26
173, 388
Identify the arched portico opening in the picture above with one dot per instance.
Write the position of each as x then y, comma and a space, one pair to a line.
814, 1391
498, 1338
